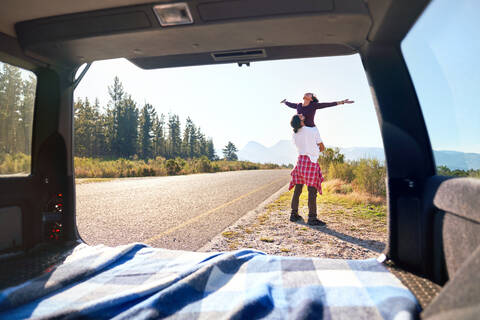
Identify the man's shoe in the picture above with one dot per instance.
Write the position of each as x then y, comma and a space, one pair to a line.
295, 217
315, 222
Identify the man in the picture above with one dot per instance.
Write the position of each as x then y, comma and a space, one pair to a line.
307, 171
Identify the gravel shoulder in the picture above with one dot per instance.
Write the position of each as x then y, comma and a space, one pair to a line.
350, 233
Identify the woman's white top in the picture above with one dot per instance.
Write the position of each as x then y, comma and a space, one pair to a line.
306, 140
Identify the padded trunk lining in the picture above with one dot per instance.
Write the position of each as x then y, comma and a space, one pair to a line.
15, 270
423, 289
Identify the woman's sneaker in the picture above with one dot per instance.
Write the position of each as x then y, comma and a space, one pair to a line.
315, 222
295, 217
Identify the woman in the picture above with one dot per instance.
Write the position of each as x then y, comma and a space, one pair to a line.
310, 105
307, 171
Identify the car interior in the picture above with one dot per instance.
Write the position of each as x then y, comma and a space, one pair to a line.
433, 221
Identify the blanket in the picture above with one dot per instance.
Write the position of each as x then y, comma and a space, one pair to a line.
140, 282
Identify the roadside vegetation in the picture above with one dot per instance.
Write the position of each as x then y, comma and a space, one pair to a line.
14, 163
99, 168
143, 143
363, 180
445, 171
353, 205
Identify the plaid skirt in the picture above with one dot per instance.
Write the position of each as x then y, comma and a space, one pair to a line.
306, 172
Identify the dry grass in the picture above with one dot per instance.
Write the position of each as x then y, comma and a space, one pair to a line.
263, 218
101, 168
91, 180
247, 230
345, 192
14, 164
229, 234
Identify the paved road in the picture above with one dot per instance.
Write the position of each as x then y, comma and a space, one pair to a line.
182, 212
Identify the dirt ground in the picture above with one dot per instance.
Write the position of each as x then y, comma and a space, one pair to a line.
351, 232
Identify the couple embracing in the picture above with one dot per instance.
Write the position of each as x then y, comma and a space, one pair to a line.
306, 138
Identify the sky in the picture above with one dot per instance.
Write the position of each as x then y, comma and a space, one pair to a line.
442, 54
242, 104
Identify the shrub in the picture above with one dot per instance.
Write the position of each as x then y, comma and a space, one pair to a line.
330, 155
14, 163
337, 186
204, 165
370, 177
173, 167
342, 171
102, 168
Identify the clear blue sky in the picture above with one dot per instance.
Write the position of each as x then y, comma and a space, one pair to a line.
442, 52
242, 104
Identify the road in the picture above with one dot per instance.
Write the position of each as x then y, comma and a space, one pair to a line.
179, 212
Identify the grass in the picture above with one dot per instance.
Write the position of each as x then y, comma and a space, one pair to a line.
14, 164
265, 239
361, 204
247, 230
118, 168
338, 203
91, 180
229, 234
263, 217
233, 245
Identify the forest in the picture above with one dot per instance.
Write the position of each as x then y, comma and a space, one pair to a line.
120, 139
17, 95
123, 129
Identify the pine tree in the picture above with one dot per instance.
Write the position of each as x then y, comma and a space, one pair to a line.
116, 93
188, 139
211, 150
174, 139
26, 113
79, 129
159, 141
146, 131
229, 152
100, 127
84, 128
201, 147
10, 104
89, 128
127, 130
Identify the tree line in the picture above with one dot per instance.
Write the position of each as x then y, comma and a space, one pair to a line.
17, 97
125, 130
446, 171
122, 129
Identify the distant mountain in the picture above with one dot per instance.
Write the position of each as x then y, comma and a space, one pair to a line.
356, 153
457, 160
255, 152
284, 152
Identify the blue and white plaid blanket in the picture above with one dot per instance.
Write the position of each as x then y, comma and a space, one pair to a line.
140, 282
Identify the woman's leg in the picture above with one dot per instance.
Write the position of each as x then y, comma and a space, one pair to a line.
294, 216
312, 207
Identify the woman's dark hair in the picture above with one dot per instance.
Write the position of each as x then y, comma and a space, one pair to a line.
314, 98
296, 123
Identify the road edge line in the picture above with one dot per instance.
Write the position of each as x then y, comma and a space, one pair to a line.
247, 217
